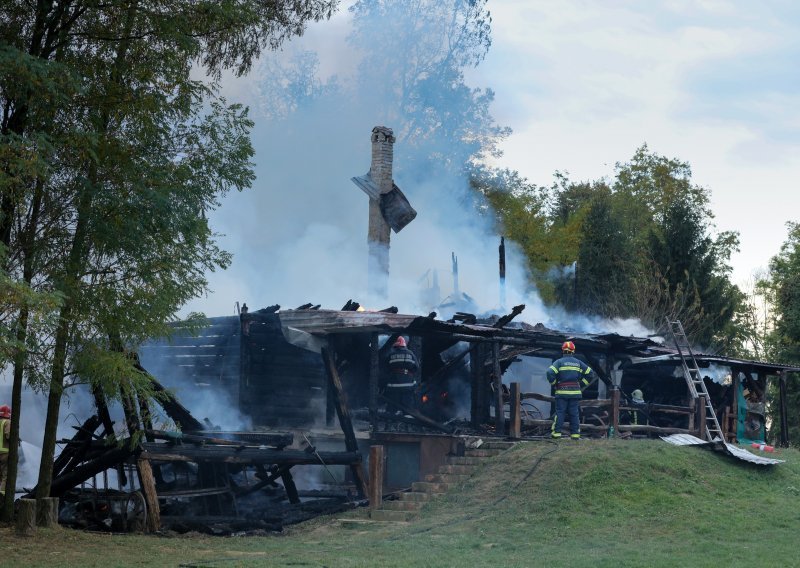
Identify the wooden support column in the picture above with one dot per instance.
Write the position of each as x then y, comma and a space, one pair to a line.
515, 426
701, 417
615, 408
150, 496
335, 384
784, 412
374, 375
692, 412
499, 415
375, 476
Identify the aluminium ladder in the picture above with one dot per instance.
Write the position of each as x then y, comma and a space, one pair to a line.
694, 379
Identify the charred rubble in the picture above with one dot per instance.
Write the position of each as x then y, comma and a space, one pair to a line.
310, 381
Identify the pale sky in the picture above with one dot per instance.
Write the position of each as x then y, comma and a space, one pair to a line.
713, 83
582, 84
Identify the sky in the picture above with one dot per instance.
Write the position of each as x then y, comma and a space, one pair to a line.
582, 84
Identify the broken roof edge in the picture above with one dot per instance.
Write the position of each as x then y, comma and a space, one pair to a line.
719, 359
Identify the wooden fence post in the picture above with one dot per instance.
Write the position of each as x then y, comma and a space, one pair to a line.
375, 476
515, 428
701, 417
615, 408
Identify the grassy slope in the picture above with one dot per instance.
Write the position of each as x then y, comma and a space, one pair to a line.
594, 503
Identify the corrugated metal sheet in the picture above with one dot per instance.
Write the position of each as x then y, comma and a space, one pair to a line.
730, 449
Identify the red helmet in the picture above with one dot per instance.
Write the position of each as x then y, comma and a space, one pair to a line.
568, 347
400, 342
5, 411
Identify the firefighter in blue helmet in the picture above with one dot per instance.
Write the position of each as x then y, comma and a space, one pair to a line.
569, 375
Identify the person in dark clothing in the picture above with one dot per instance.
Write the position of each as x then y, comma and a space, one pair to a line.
569, 375
401, 382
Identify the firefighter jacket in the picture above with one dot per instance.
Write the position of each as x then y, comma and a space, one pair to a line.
569, 375
403, 368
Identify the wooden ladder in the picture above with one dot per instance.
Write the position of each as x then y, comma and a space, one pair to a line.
694, 380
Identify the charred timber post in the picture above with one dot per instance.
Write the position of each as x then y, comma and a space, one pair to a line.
374, 370
499, 415
150, 495
615, 408
784, 439
502, 260
514, 424
289, 486
340, 400
375, 476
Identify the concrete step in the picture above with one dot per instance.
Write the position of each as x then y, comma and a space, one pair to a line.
386, 515
462, 460
402, 505
452, 478
428, 487
458, 469
368, 524
482, 453
415, 496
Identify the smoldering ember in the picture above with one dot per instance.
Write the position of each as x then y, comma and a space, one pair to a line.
274, 416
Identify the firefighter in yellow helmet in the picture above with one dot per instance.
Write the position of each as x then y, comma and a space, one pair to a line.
5, 432
569, 375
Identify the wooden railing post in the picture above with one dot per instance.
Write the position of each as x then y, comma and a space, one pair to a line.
615, 408
515, 426
375, 476
701, 416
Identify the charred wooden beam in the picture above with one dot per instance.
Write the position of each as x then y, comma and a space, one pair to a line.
506, 319
290, 487
389, 310
340, 401
247, 455
174, 409
350, 306
417, 415
304, 306
272, 439
76, 448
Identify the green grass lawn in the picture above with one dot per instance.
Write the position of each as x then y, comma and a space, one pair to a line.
595, 503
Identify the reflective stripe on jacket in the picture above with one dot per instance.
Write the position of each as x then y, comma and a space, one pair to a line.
3, 442
569, 375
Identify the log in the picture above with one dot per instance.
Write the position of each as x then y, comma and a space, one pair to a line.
47, 512
417, 415
26, 517
148, 483
375, 476
247, 455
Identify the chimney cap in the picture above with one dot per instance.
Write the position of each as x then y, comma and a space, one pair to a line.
386, 131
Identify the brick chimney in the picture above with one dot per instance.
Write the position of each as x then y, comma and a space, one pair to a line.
379, 231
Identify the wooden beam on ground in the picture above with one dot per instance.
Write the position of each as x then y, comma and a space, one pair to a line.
340, 400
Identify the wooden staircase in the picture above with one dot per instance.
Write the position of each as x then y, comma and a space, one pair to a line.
456, 470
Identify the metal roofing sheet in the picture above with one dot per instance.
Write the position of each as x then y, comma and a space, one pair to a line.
730, 449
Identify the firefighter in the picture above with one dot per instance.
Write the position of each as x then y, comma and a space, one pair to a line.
639, 415
5, 432
569, 375
401, 382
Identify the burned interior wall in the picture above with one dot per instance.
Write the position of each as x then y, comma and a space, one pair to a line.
280, 384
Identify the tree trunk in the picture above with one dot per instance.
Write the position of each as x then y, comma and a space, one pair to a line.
26, 517
47, 512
